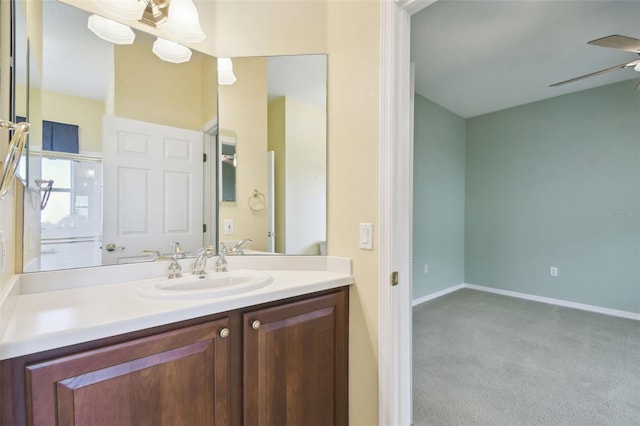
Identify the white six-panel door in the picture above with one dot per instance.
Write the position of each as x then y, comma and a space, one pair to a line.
152, 189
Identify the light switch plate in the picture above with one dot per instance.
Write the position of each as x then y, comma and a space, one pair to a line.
228, 227
366, 236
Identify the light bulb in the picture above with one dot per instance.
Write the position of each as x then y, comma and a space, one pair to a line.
226, 77
111, 31
170, 51
183, 22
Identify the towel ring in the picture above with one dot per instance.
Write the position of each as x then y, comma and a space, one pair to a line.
257, 202
48, 186
16, 146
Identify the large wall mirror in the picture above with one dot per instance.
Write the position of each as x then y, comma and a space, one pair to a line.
274, 119
123, 139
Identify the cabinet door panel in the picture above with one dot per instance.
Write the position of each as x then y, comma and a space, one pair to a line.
174, 378
295, 363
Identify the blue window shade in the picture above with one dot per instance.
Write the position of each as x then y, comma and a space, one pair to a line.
60, 137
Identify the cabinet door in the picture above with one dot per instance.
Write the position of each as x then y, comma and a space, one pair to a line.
295, 363
175, 378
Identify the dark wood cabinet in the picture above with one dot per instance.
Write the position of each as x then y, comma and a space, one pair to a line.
287, 365
172, 378
295, 363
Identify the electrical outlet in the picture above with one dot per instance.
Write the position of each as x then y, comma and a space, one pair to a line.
426, 268
553, 271
228, 227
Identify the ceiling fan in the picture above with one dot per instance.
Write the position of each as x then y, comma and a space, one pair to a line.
615, 42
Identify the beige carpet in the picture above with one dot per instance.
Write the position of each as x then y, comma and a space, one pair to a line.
485, 359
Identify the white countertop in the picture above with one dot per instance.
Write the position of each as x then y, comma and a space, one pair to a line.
72, 310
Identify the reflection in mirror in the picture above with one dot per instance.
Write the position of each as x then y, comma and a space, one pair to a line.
276, 113
123, 130
149, 203
227, 166
25, 75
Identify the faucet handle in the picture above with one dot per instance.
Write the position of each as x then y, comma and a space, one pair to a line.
156, 254
206, 250
240, 246
175, 270
178, 253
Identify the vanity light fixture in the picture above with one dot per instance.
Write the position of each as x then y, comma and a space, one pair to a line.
226, 77
174, 19
170, 51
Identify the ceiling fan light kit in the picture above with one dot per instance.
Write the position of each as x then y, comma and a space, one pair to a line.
619, 42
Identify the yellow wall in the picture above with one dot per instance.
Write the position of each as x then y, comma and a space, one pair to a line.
85, 113
209, 84
297, 135
7, 216
149, 89
277, 138
353, 117
243, 115
306, 177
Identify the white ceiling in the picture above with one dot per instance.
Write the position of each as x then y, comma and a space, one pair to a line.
303, 77
478, 56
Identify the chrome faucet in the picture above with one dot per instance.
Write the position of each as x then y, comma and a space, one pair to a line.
175, 270
178, 253
200, 263
221, 263
238, 248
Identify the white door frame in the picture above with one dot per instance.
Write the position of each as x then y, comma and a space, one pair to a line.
396, 212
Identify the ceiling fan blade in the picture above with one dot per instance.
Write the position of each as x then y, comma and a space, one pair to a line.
618, 42
617, 67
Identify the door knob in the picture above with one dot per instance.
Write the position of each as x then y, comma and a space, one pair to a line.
224, 332
255, 324
113, 247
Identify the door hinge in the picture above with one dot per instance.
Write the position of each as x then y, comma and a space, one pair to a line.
394, 278
204, 227
204, 157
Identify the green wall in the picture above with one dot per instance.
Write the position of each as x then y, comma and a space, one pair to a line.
438, 217
552, 183
557, 183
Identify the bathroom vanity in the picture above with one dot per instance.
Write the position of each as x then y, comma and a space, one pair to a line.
277, 355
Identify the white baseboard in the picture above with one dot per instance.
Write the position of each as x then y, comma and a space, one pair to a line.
559, 302
437, 294
525, 296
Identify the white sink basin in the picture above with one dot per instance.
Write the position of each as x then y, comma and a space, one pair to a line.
213, 284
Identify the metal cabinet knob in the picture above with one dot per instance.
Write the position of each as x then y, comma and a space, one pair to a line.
224, 332
255, 324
